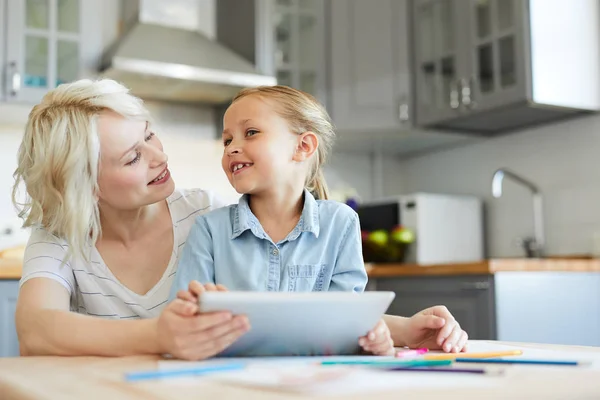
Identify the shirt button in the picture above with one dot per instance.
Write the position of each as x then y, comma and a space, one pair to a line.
275, 252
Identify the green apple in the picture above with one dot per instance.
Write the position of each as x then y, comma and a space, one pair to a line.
379, 237
403, 235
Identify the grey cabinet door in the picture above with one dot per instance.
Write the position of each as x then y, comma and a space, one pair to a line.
9, 344
496, 54
469, 298
440, 58
369, 67
3, 76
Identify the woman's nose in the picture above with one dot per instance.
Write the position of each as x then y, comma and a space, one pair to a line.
158, 157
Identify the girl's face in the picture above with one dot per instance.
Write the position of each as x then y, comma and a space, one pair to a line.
133, 168
261, 153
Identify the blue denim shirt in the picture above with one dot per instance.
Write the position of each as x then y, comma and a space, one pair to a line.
228, 246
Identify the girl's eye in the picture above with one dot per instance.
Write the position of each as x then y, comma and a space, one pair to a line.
226, 142
251, 132
138, 155
150, 136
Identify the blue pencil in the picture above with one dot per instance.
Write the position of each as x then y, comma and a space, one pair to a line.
515, 361
176, 372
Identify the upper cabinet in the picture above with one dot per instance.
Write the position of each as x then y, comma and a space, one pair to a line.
370, 70
284, 38
488, 66
299, 29
439, 58
48, 42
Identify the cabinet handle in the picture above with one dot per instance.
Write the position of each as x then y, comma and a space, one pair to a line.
15, 79
465, 92
454, 97
483, 285
467, 98
403, 109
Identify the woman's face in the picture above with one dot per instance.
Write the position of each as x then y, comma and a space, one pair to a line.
133, 167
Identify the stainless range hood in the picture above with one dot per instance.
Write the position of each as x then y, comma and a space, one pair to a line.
163, 57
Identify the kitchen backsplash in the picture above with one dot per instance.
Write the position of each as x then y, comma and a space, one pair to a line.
189, 138
563, 159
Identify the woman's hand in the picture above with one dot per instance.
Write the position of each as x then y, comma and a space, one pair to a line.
185, 333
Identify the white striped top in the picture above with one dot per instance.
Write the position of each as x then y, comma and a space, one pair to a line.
93, 288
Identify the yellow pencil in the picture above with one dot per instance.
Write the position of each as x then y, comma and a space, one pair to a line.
489, 354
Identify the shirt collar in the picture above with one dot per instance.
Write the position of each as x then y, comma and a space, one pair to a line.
244, 219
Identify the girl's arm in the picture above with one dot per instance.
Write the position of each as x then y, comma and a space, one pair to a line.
197, 261
349, 273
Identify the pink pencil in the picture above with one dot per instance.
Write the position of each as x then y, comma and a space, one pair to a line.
411, 353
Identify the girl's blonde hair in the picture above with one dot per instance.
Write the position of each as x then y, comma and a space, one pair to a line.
303, 113
58, 160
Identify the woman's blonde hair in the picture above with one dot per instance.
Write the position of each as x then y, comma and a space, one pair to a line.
303, 113
58, 160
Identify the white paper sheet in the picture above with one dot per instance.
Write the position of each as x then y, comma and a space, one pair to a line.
305, 375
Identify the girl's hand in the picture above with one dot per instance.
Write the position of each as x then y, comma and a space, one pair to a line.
436, 329
378, 341
195, 289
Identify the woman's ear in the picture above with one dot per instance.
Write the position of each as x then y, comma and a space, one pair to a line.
307, 144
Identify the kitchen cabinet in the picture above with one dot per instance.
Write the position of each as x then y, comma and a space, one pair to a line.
370, 70
9, 344
489, 66
548, 307
48, 42
516, 306
284, 38
469, 298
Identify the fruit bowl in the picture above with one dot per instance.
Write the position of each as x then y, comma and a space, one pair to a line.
383, 246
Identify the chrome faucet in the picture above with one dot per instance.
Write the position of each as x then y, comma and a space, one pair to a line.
533, 246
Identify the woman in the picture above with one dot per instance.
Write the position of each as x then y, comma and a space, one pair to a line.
108, 227
107, 230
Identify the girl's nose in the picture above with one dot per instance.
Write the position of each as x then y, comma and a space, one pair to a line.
234, 148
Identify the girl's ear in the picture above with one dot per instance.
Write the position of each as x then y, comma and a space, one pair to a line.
307, 144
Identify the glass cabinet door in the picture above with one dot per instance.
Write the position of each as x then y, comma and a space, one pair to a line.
43, 47
299, 51
438, 58
495, 53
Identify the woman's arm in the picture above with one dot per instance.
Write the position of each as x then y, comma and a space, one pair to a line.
45, 326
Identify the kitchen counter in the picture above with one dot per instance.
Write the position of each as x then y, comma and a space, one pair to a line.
10, 268
485, 267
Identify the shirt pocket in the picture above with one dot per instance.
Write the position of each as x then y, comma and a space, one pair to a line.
306, 278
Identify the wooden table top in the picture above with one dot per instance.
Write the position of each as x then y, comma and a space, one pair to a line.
45, 378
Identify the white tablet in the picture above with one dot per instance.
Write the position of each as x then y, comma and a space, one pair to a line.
312, 323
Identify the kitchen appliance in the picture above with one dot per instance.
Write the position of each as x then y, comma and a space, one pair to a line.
448, 228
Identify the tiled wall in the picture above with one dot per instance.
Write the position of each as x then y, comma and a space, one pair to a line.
563, 159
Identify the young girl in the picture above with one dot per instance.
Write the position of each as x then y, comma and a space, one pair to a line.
283, 235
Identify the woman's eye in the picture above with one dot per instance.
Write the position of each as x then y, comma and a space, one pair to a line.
138, 155
150, 136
